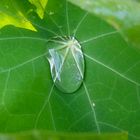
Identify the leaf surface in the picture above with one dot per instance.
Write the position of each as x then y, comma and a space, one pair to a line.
11, 14
40, 6
109, 98
43, 135
123, 15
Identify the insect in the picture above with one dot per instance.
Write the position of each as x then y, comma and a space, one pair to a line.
67, 64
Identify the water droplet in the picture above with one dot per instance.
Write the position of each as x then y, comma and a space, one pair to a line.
67, 63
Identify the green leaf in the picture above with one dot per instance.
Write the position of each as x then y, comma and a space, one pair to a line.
40, 6
11, 14
43, 135
109, 98
124, 15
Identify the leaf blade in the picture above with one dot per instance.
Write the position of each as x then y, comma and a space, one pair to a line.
120, 14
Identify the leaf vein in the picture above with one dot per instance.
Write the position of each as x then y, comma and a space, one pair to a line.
113, 70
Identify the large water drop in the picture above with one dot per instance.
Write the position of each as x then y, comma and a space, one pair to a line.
67, 63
